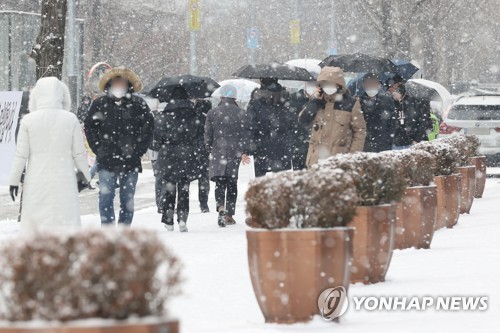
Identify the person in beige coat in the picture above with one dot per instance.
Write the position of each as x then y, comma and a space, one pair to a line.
335, 117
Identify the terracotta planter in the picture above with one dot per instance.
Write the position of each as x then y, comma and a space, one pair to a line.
149, 326
449, 190
468, 188
373, 242
416, 218
290, 268
480, 163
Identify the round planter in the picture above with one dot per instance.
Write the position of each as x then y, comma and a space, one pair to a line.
468, 188
416, 218
373, 242
290, 268
480, 163
96, 326
449, 190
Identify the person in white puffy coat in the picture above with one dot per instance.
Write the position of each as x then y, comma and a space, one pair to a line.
50, 145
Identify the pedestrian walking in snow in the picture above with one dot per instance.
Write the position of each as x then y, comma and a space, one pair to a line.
202, 107
272, 127
413, 115
175, 139
119, 129
335, 117
379, 113
50, 142
227, 137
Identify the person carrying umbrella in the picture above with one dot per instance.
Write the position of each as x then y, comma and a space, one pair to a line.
272, 126
227, 136
380, 115
413, 115
337, 123
119, 129
175, 139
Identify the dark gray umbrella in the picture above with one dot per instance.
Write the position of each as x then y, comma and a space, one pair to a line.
274, 70
360, 63
196, 87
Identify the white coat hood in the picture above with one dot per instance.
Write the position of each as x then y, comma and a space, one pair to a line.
49, 93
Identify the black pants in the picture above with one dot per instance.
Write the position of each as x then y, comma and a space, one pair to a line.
173, 191
203, 190
226, 193
263, 165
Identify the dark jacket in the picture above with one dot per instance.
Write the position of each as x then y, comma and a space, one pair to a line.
227, 136
301, 132
413, 121
202, 155
119, 132
272, 127
175, 139
380, 117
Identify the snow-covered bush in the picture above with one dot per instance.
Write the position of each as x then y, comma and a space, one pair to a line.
447, 159
322, 198
379, 178
268, 200
418, 165
467, 146
108, 273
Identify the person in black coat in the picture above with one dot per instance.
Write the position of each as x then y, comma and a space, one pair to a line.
380, 115
227, 136
175, 139
202, 107
119, 128
413, 121
272, 126
300, 132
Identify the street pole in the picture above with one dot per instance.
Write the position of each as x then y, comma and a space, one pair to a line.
71, 38
192, 44
296, 17
333, 37
252, 25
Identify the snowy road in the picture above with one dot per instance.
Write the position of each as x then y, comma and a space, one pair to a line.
218, 295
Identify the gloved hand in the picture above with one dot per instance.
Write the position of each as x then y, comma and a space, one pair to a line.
13, 192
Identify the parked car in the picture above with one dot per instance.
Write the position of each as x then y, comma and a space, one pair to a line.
478, 115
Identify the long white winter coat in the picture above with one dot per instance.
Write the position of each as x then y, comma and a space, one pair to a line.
50, 142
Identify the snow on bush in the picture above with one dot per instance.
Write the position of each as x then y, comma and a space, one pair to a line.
467, 146
447, 156
104, 273
379, 178
321, 198
419, 166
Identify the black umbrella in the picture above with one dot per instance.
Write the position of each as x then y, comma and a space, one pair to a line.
405, 68
274, 70
196, 87
359, 62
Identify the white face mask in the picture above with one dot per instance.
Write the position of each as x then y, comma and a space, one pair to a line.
310, 89
330, 90
372, 92
117, 92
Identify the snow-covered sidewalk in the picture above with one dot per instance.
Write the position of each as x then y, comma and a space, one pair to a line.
218, 296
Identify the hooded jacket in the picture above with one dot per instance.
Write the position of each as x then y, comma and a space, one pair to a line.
50, 142
337, 123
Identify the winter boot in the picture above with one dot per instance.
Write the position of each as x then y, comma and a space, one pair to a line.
168, 219
221, 220
204, 208
229, 220
182, 219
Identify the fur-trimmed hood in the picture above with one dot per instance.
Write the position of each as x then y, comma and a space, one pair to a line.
123, 72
